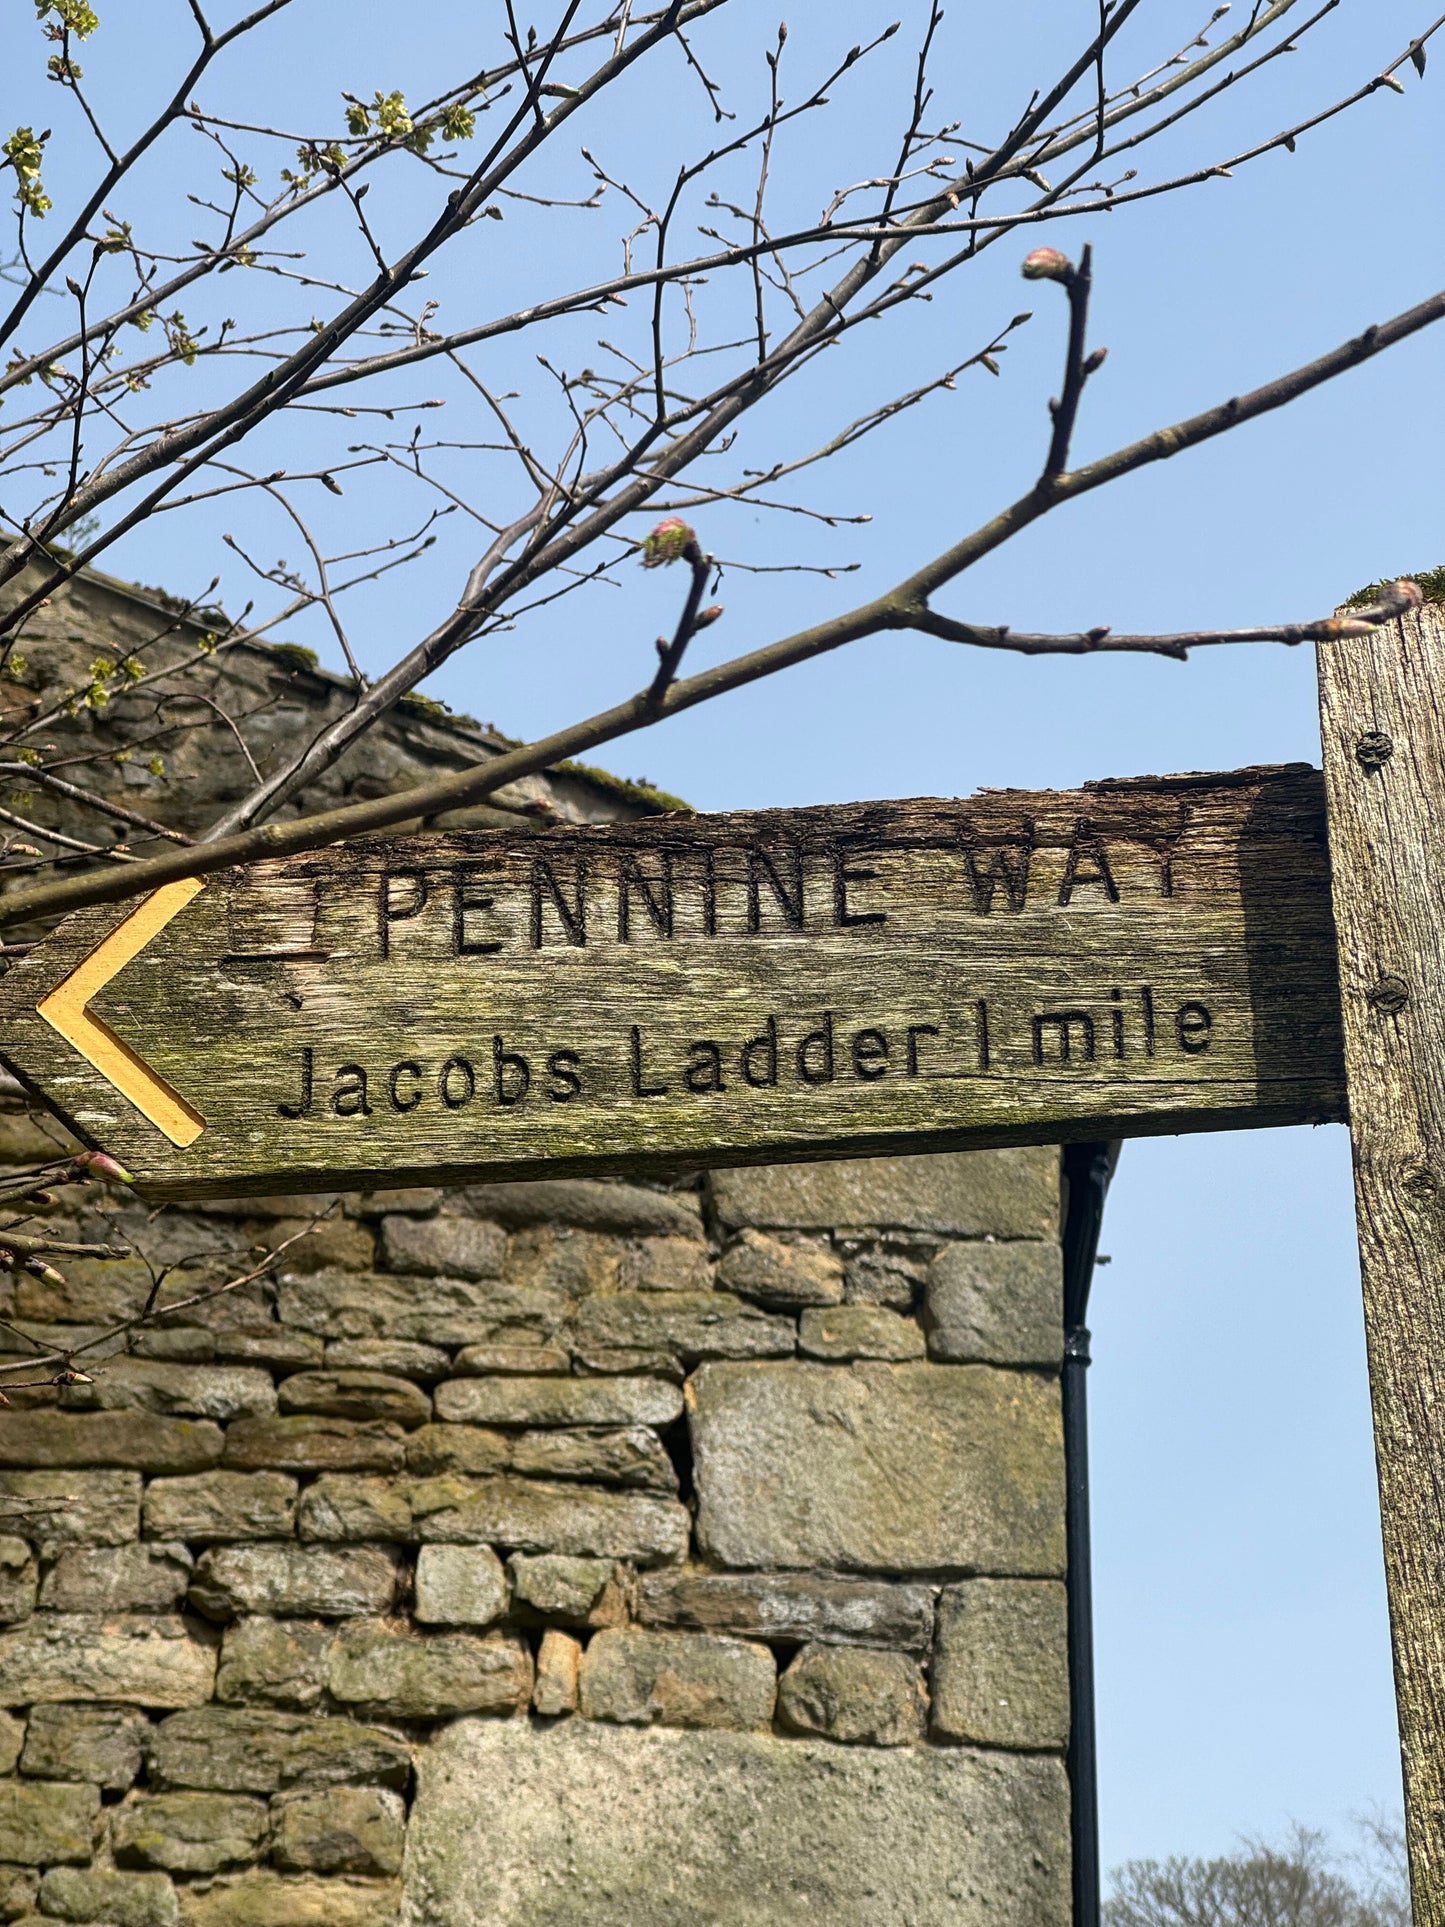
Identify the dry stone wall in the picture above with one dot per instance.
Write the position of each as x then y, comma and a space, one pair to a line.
547, 1553
544, 1555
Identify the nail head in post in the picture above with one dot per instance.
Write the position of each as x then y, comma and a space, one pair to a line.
1373, 750
1389, 996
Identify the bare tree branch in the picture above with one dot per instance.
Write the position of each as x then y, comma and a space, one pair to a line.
905, 606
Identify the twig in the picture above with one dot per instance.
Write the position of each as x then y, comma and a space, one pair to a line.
1078, 282
670, 654
1397, 600
121, 811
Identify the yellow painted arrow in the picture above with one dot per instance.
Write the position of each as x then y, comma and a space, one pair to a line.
64, 1009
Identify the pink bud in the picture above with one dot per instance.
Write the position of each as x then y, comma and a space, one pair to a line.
100, 1164
705, 616
1047, 264
668, 542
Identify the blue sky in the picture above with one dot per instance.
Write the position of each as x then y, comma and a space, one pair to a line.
1243, 1657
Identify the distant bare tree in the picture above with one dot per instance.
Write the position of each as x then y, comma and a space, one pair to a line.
1299, 1884
271, 356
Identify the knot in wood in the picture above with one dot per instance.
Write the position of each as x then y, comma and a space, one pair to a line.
1389, 996
1373, 750
1420, 1182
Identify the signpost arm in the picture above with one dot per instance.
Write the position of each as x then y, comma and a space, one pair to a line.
1382, 714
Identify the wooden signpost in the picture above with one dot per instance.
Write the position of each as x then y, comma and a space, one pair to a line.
1133, 958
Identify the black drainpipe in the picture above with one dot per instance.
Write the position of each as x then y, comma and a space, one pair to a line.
1087, 1171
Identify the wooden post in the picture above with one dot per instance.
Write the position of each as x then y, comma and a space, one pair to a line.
1382, 712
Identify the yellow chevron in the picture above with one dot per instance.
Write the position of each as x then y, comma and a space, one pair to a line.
64, 1009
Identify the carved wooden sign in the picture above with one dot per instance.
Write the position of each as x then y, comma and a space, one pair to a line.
1135, 957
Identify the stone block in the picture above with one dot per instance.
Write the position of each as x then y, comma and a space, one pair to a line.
691, 1325
528, 1516
271, 1344
133, 1439
276, 1900
1002, 1304
339, 1751
419, 1200
780, 1275
611, 1361
344, 1505
854, 1694
344, 1829
55, 1509
512, 1361
275, 1662
878, 1274
175, 1344
575, 1591
879, 1468
554, 1692
190, 1832
226, 1749
666, 1264
635, 1456
99, 1744
960, 1194
120, 1899
294, 1581
356, 1395
18, 1581
32, 1136
100, 1291
1001, 1667
590, 1205
220, 1392
792, 1606
579, 1822
12, 1739
402, 1357
436, 1311
147, 1577
305, 1444
146, 1659
558, 1401
335, 1241
459, 1586
405, 1676
47, 1825
859, 1331
432, 1450
19, 1895
212, 1507
450, 1247
677, 1679
563, 1264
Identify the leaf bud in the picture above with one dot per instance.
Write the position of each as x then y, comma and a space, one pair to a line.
668, 542
100, 1164
706, 616
1047, 264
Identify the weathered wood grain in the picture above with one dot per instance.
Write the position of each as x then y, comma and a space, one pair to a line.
1384, 746
1017, 967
